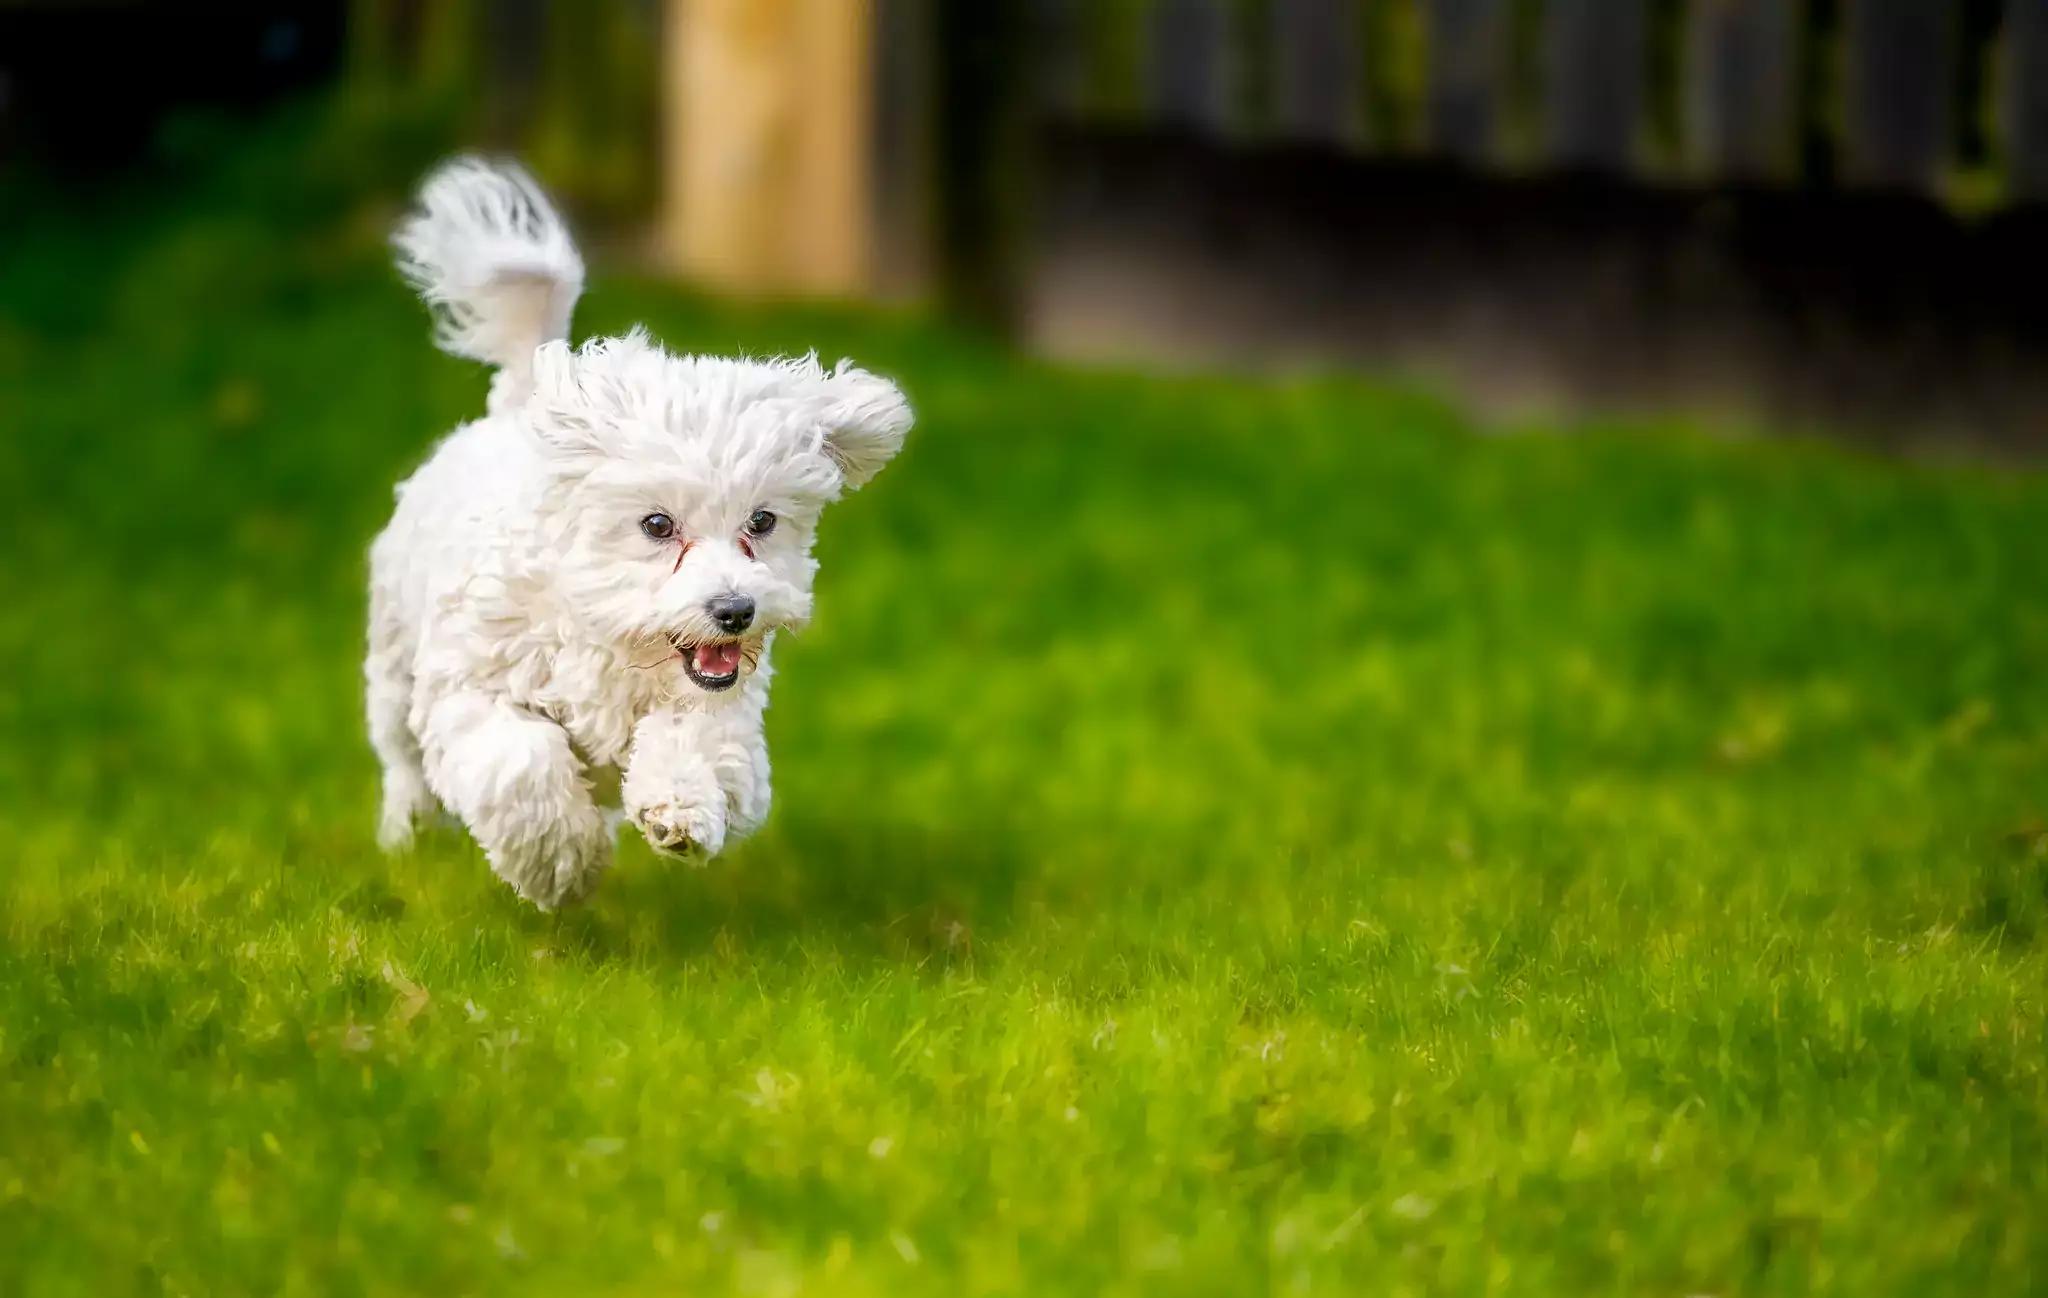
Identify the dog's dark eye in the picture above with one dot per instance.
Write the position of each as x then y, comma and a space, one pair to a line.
659, 527
761, 524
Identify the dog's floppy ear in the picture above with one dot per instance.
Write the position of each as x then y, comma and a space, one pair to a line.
581, 397
556, 407
865, 421
554, 373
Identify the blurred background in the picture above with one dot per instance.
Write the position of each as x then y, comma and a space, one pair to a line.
1821, 213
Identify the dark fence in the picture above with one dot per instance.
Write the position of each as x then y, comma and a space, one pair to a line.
1824, 211
1939, 96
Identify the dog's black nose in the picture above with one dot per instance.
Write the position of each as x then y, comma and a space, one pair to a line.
733, 613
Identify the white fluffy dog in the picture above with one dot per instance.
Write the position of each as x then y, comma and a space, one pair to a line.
591, 576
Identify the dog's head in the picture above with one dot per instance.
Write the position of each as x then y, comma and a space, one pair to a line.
686, 490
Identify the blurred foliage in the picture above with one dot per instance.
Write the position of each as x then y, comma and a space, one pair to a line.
595, 129
1395, 37
1113, 38
570, 86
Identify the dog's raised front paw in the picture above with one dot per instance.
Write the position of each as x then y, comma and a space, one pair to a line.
682, 830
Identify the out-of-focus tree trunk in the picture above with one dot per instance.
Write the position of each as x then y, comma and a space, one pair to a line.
768, 144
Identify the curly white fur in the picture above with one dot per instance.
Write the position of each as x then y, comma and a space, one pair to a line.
496, 266
525, 627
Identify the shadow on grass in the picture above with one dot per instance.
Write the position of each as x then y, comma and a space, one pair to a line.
857, 891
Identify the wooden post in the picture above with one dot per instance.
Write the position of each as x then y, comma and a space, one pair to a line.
1316, 53
2026, 100
1189, 44
769, 143
1594, 94
1739, 83
1466, 63
1898, 91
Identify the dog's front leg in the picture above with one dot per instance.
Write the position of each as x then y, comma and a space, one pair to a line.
695, 780
516, 781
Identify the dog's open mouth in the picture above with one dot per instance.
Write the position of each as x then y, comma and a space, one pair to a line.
712, 665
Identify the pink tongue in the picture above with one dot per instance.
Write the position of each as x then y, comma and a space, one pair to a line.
718, 659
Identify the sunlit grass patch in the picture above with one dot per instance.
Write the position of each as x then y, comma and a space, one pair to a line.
1231, 837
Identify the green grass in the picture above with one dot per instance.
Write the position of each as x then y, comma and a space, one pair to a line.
1230, 838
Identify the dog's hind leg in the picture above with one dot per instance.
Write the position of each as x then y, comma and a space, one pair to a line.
387, 698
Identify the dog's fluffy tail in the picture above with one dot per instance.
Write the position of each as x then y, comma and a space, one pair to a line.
495, 264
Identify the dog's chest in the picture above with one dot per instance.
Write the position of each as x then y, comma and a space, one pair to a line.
598, 698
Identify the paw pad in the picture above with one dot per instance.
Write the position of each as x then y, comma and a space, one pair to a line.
680, 831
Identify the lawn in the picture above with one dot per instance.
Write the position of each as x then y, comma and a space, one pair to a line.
1231, 838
